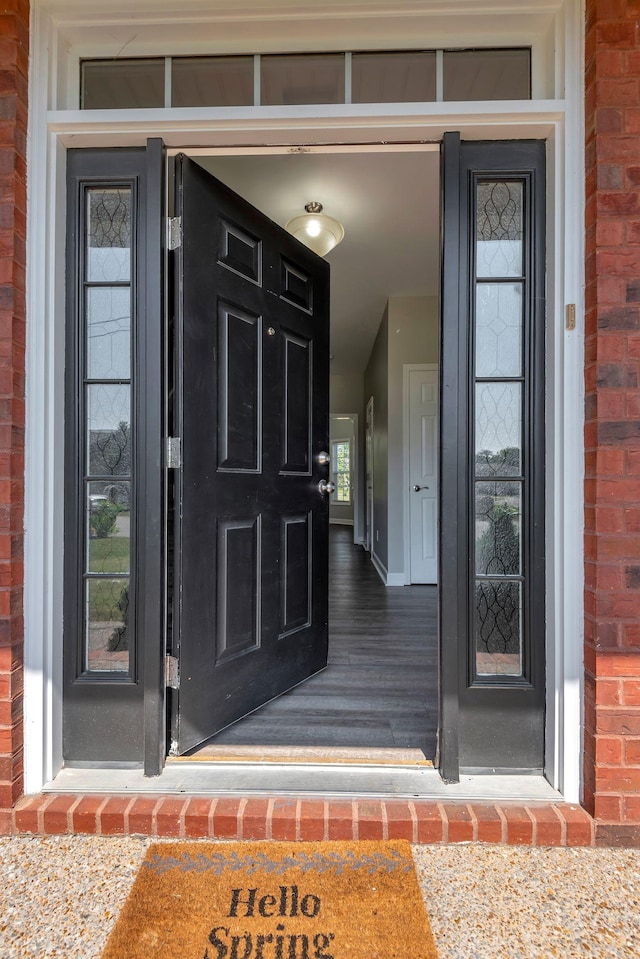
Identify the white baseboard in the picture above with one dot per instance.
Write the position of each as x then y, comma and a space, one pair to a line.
340, 522
379, 567
395, 579
389, 579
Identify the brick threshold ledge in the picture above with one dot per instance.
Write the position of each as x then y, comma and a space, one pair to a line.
419, 821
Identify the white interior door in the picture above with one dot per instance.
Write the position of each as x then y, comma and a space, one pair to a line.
423, 476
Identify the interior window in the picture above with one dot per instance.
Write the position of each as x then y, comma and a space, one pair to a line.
341, 468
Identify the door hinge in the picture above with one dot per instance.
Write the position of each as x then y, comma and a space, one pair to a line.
174, 453
174, 232
171, 672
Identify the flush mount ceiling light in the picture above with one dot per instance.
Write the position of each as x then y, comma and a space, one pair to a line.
315, 229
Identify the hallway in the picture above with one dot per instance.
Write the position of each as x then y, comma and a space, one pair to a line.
379, 689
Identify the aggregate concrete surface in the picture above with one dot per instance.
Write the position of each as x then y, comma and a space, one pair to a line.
60, 896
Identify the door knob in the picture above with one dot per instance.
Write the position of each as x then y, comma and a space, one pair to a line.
326, 487
416, 489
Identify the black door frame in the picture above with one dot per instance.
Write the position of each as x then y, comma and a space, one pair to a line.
151, 408
101, 709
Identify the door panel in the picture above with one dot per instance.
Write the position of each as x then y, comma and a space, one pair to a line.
253, 344
492, 627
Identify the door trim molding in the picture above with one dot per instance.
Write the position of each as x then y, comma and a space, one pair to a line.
368, 461
406, 499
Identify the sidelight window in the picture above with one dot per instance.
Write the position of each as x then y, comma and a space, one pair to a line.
500, 294
107, 410
105, 322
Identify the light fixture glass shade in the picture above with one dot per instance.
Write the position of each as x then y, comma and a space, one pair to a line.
316, 230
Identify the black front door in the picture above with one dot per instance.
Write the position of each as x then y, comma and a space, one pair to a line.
252, 333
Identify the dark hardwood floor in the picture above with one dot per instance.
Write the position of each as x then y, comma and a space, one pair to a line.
380, 687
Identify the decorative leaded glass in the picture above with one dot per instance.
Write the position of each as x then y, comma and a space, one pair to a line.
498, 429
498, 329
109, 236
109, 430
498, 628
499, 216
108, 332
498, 514
499, 371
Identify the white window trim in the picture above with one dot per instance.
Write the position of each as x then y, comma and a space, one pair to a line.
51, 131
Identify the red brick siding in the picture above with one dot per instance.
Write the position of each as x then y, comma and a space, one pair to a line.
612, 431
420, 821
14, 52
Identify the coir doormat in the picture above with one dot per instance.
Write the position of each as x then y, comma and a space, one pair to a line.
331, 900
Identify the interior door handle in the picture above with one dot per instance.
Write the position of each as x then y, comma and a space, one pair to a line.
416, 489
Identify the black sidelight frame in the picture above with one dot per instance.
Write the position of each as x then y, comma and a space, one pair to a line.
110, 716
489, 722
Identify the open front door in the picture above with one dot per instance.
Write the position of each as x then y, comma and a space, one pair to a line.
251, 547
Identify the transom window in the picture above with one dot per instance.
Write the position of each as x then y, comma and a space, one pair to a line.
387, 76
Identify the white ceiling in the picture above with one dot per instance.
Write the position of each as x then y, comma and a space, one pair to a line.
388, 204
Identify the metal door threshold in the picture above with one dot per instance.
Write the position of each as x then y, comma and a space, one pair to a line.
302, 779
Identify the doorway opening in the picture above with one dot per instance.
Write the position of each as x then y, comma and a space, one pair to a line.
377, 698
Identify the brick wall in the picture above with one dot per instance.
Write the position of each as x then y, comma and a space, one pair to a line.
14, 44
612, 432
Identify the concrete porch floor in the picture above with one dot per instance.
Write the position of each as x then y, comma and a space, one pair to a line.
61, 895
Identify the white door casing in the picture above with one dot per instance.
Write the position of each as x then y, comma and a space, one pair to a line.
369, 476
422, 455
95, 28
